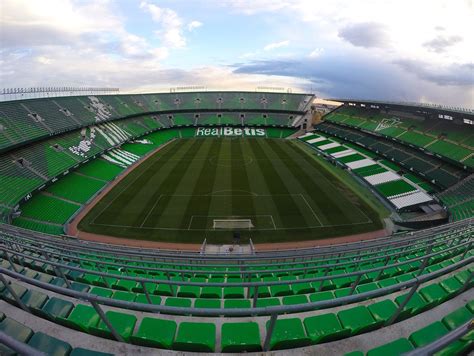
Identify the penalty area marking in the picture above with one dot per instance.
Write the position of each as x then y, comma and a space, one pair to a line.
149, 213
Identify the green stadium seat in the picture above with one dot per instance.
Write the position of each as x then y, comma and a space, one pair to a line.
195, 337
79, 351
451, 285
463, 277
237, 303
124, 296
320, 296
240, 337
457, 318
385, 309
125, 285
80, 287
262, 292
164, 290
155, 299
288, 334
19, 290
470, 306
342, 292
394, 348
56, 308
295, 299
434, 294
34, 300
428, 334
267, 302
387, 282
358, 320
325, 327
177, 302
207, 303
155, 333
122, 323
415, 305
49, 345
211, 292
367, 287
17, 331
101, 292
452, 321
82, 318
280, 290
92, 279
354, 353
303, 288
233, 292
188, 291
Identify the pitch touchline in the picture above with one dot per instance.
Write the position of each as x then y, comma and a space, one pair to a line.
128, 186
311, 208
265, 229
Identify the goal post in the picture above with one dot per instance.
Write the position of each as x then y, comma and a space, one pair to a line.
231, 224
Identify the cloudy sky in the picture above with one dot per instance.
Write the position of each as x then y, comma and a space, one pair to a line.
410, 50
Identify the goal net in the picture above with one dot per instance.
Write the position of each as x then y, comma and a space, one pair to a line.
231, 224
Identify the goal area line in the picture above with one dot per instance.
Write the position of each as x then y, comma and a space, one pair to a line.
232, 222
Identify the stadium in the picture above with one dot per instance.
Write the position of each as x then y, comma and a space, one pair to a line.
211, 183
268, 221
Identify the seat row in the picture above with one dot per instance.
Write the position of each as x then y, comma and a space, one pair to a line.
289, 332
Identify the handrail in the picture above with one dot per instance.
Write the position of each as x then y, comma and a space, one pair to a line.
443, 341
339, 257
249, 268
256, 311
18, 346
423, 234
274, 311
142, 280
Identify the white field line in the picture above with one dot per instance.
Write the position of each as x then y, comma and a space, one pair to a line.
311, 208
154, 205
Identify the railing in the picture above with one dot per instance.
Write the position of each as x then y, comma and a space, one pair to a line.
410, 103
271, 255
274, 311
18, 346
243, 269
443, 341
59, 269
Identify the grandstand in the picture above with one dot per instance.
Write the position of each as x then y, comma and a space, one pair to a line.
408, 292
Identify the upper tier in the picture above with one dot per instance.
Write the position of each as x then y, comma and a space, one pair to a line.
449, 139
24, 120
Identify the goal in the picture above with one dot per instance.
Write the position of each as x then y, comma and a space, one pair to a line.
231, 224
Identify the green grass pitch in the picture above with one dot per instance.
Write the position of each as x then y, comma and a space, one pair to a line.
286, 192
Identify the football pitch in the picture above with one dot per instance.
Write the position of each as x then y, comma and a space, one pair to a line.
275, 186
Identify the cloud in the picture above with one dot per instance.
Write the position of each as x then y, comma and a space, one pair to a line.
349, 76
171, 25
275, 45
440, 43
366, 34
316, 52
44, 60
193, 25
448, 75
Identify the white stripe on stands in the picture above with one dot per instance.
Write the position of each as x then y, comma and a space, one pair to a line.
360, 163
341, 154
317, 139
329, 146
